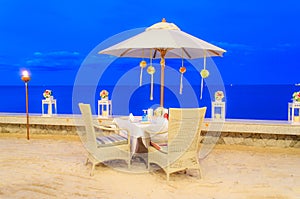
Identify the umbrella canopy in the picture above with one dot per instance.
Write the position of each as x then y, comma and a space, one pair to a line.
164, 40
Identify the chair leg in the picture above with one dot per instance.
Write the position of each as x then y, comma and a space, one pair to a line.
148, 166
200, 173
92, 169
87, 161
141, 151
129, 163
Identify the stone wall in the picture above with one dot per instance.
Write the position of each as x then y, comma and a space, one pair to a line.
38, 129
251, 139
239, 132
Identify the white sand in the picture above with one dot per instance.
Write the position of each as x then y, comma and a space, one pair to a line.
54, 168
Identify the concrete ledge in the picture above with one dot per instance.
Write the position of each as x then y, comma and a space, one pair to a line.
242, 132
253, 126
251, 139
265, 133
65, 120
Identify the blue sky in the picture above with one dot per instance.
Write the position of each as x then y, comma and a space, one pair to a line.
51, 38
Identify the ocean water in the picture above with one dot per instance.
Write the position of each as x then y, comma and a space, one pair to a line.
263, 102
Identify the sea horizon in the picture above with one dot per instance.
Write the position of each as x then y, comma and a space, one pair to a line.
262, 102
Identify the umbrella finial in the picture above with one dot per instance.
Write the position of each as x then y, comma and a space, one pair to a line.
163, 20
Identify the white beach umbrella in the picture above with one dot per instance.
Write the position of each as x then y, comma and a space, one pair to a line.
165, 40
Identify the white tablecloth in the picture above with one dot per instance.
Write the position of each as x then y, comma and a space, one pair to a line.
146, 131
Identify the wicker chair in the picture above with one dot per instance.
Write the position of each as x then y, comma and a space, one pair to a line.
105, 147
181, 151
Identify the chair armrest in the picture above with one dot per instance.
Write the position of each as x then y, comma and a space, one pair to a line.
155, 133
109, 128
124, 117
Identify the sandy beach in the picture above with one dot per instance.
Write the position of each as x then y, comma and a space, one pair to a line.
53, 167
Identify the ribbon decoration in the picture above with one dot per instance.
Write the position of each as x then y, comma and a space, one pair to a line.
143, 64
151, 71
182, 70
204, 74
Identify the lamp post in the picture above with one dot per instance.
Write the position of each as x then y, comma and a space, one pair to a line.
26, 78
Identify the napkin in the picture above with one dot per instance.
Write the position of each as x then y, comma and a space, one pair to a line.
131, 117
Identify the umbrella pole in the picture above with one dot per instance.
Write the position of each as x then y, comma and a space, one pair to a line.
162, 76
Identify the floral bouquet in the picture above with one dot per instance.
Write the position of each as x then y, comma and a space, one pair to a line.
104, 94
296, 96
47, 94
219, 95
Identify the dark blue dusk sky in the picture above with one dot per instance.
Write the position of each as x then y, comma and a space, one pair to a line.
51, 38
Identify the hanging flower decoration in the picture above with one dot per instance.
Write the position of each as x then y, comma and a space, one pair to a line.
47, 93
219, 95
296, 96
143, 64
182, 70
104, 94
204, 73
151, 71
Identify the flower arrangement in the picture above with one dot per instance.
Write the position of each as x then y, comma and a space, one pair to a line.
296, 96
219, 95
47, 94
159, 112
104, 94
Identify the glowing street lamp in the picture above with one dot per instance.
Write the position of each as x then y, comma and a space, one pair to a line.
26, 78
